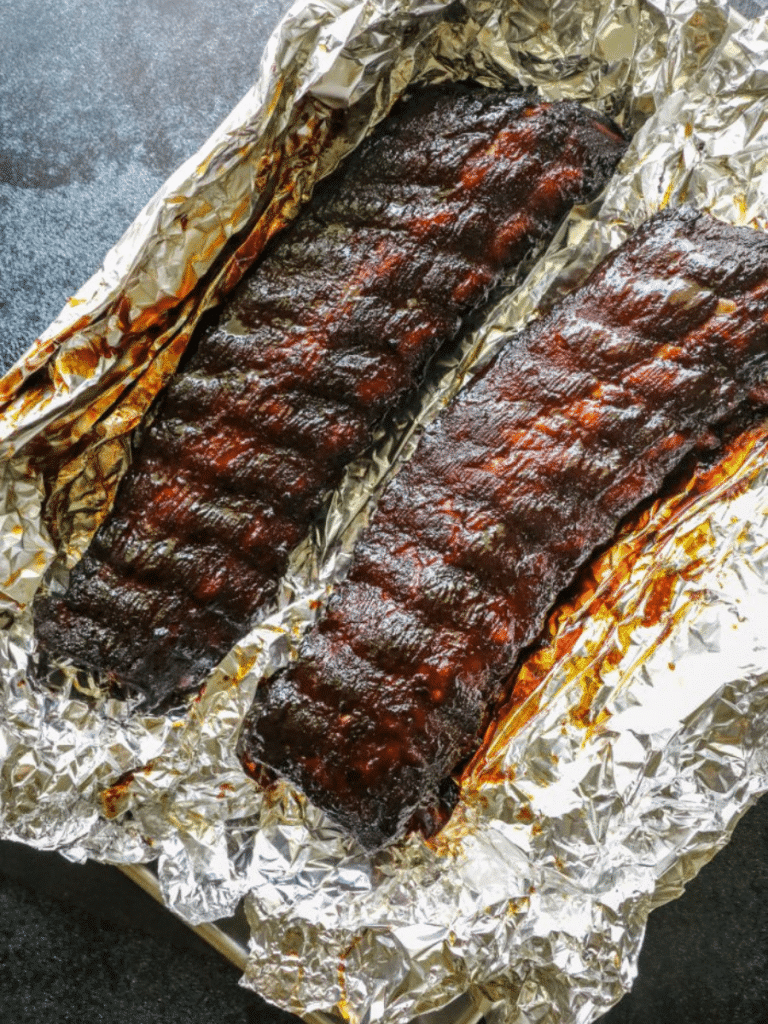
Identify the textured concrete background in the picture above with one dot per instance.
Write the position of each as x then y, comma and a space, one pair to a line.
99, 102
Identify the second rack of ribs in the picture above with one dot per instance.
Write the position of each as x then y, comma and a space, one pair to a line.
332, 328
580, 418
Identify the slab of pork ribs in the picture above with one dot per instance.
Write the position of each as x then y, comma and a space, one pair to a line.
579, 418
332, 328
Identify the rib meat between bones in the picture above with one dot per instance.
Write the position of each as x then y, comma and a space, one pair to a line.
579, 419
329, 331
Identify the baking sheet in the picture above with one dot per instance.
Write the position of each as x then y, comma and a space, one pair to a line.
194, 847
230, 938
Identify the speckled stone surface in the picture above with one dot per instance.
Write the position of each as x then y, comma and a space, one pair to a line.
83, 944
99, 102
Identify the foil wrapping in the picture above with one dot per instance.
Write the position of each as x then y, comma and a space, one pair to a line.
635, 738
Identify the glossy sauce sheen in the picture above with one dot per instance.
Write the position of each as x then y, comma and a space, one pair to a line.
580, 418
332, 327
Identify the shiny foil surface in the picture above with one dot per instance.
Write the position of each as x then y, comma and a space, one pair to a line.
636, 735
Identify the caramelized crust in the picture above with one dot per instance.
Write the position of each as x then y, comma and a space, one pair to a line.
580, 418
332, 327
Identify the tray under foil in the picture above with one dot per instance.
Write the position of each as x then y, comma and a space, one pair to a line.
640, 736
230, 938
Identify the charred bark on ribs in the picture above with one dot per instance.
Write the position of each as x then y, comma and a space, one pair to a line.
578, 420
331, 329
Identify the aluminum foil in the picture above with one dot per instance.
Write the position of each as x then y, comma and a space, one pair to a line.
636, 737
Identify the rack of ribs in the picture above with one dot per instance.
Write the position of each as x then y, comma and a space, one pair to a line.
579, 418
332, 327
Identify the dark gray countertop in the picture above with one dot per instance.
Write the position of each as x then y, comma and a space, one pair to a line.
99, 102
